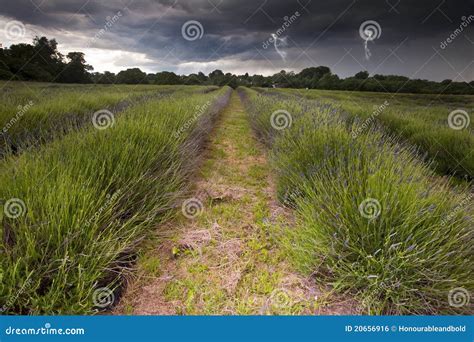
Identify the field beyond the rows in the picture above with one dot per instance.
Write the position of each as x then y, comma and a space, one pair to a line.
172, 199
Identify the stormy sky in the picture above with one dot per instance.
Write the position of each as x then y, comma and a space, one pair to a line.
404, 37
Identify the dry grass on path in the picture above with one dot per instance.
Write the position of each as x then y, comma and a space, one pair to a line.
227, 259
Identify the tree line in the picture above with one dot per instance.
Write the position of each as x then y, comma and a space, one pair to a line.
41, 61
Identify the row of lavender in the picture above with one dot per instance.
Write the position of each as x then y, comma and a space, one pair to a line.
373, 219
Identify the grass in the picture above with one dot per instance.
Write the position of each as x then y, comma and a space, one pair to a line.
373, 220
32, 114
88, 199
237, 269
421, 120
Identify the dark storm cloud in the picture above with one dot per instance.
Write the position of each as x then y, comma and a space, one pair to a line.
325, 32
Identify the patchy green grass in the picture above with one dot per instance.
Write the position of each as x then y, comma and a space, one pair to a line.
240, 269
151, 265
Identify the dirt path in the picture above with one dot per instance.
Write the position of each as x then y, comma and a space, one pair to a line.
225, 259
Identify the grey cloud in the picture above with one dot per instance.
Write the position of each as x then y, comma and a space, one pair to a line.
323, 33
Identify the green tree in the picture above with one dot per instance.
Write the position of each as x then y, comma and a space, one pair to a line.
47, 56
362, 75
216, 77
329, 81
131, 76
76, 70
314, 72
167, 77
